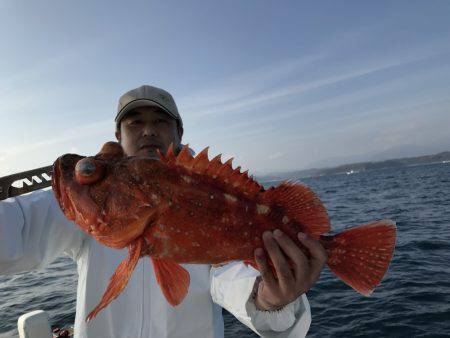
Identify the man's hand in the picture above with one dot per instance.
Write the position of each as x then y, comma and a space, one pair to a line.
274, 293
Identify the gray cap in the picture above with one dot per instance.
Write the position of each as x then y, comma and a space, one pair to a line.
147, 96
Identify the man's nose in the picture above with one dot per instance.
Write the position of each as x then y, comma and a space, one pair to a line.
149, 130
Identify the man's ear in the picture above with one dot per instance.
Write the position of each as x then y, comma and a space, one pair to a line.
178, 148
118, 135
180, 132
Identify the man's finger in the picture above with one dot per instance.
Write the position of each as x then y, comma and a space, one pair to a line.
264, 268
281, 265
318, 254
292, 251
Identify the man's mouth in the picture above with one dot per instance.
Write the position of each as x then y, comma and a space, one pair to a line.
150, 146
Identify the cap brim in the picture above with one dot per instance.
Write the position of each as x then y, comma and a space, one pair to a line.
141, 103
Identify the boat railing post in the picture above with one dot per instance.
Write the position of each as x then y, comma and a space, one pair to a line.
34, 324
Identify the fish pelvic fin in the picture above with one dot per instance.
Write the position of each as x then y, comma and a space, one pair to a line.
360, 256
120, 277
300, 205
172, 278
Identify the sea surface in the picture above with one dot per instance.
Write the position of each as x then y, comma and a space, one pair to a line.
412, 301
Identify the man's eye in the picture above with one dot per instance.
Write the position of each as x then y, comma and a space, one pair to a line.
161, 121
134, 122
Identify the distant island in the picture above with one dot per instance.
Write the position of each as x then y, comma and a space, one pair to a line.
352, 168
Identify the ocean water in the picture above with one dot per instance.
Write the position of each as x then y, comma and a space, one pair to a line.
412, 301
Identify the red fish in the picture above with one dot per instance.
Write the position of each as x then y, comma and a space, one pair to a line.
182, 209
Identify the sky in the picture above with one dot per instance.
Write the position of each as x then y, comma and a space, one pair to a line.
278, 85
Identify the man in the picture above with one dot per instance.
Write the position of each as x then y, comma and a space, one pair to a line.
34, 232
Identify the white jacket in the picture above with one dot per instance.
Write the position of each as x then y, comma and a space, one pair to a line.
34, 232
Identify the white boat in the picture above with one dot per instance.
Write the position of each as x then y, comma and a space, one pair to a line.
352, 172
36, 324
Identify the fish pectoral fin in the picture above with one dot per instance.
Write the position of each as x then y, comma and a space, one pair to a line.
120, 278
172, 278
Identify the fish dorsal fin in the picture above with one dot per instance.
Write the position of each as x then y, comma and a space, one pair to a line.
222, 172
170, 152
300, 204
169, 157
185, 158
172, 278
214, 165
201, 162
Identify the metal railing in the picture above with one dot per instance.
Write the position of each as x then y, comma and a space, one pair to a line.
26, 181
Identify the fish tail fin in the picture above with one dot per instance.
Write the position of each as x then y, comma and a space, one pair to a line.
360, 256
120, 277
301, 207
172, 278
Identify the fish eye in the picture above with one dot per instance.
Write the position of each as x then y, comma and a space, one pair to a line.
88, 171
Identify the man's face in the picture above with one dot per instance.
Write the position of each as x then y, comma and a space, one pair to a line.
146, 129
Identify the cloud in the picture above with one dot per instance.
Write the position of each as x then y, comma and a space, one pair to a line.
243, 84
343, 105
90, 130
250, 82
275, 156
52, 64
394, 119
229, 104
33, 87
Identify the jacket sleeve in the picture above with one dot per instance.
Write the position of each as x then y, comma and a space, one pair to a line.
232, 287
34, 232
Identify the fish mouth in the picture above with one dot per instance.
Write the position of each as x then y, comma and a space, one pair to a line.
56, 173
57, 186
63, 174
